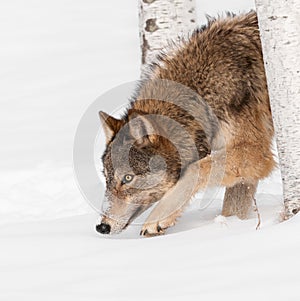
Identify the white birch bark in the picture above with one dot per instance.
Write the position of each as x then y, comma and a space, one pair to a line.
161, 21
279, 22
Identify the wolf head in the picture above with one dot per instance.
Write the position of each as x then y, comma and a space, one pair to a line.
166, 128
140, 166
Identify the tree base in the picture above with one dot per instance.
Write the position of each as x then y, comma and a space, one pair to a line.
291, 208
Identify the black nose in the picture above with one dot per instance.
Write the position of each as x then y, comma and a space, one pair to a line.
103, 228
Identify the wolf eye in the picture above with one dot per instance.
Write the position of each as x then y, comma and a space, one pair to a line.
127, 179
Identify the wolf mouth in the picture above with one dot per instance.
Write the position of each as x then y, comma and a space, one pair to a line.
137, 212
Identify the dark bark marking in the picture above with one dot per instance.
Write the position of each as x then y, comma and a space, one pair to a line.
151, 25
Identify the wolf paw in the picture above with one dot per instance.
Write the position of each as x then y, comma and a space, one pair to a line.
152, 229
158, 227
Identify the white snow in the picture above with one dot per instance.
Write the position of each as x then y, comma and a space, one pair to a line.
56, 57
64, 259
220, 219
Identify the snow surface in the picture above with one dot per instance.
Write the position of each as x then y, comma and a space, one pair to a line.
56, 57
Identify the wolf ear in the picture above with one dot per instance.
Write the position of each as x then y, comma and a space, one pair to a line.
110, 125
142, 130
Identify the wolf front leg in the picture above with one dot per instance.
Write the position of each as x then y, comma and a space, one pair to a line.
170, 207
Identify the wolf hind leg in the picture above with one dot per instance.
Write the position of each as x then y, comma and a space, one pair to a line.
239, 198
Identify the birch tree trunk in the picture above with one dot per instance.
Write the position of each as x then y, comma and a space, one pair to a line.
279, 22
160, 21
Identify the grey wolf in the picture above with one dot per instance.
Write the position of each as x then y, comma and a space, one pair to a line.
209, 93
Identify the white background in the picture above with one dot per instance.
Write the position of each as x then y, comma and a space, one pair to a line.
56, 57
